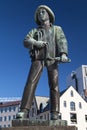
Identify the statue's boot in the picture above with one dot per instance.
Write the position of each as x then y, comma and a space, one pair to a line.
22, 115
54, 116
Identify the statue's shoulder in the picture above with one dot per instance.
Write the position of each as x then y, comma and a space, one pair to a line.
33, 30
58, 30
57, 27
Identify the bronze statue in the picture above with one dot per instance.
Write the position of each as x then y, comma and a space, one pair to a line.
47, 46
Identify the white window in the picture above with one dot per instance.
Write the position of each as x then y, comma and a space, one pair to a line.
73, 117
72, 106
64, 103
71, 93
80, 105
86, 118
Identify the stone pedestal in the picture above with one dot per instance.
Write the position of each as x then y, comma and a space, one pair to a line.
27, 122
41, 128
40, 125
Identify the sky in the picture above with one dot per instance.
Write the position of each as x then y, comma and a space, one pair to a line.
16, 20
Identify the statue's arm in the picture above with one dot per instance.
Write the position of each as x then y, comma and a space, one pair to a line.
29, 41
61, 43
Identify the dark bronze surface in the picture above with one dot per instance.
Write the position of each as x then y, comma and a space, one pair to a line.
45, 43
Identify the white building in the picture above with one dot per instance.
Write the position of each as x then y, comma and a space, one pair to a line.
78, 79
73, 108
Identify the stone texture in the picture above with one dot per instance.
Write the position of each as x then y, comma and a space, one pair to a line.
41, 128
27, 122
39, 125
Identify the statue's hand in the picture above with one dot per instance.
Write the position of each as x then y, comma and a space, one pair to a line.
64, 58
40, 44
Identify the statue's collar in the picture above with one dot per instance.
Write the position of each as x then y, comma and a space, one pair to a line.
45, 27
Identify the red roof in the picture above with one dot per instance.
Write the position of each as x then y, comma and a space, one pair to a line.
11, 103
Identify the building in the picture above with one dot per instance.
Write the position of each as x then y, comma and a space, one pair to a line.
37, 104
8, 111
9, 107
73, 109
78, 79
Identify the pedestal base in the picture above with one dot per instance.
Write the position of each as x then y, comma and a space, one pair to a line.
42, 128
40, 125
27, 122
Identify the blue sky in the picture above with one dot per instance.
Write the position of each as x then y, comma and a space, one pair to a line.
16, 19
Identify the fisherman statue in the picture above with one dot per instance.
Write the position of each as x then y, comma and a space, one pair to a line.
48, 47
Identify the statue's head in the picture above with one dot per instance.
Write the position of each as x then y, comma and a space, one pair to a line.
48, 12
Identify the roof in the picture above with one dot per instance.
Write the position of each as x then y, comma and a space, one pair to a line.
41, 99
12, 103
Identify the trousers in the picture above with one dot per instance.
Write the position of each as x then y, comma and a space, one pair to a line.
31, 84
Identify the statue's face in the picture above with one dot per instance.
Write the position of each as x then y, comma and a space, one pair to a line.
43, 15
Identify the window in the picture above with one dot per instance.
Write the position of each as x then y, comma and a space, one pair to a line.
32, 103
5, 118
71, 93
72, 106
8, 125
9, 118
80, 105
5, 109
85, 82
10, 109
14, 108
86, 118
85, 68
14, 117
48, 116
64, 103
1, 110
41, 117
0, 118
73, 117
45, 116
41, 107
4, 126
32, 112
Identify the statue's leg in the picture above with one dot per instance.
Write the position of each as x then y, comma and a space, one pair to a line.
54, 92
29, 90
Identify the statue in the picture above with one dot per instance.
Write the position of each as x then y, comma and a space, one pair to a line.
47, 46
